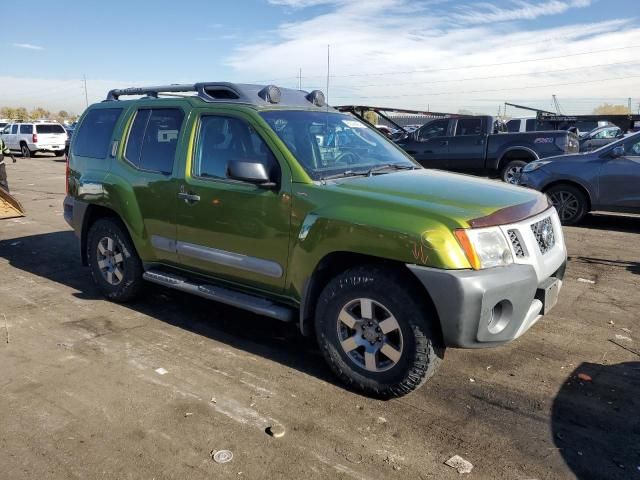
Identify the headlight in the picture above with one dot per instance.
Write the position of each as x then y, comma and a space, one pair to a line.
533, 166
485, 247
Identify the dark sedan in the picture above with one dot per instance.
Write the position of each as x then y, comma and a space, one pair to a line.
599, 137
606, 179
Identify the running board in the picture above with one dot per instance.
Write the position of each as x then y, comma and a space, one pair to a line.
257, 305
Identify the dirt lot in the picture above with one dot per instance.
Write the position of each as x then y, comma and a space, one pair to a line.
81, 395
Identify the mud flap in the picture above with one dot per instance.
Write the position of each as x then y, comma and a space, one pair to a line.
9, 206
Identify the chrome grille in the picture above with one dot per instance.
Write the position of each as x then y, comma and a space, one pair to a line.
545, 236
518, 245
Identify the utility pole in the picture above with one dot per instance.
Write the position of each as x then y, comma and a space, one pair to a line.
300, 79
629, 103
86, 95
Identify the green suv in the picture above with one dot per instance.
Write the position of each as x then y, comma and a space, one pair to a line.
269, 200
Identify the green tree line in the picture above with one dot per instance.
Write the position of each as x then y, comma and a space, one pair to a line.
21, 113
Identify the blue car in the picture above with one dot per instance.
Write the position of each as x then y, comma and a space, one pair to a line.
606, 179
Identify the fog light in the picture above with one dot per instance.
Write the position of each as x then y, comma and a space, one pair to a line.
500, 316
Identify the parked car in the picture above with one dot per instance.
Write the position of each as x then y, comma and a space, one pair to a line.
521, 125
606, 179
31, 137
69, 130
598, 137
268, 200
472, 144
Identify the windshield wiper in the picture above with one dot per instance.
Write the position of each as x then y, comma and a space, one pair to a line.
346, 173
387, 166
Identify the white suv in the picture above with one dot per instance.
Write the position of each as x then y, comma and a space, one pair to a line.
30, 138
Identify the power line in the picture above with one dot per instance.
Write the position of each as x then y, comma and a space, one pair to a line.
495, 90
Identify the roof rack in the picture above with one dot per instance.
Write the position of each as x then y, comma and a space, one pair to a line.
258, 95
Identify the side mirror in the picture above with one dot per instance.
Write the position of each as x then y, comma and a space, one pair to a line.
617, 151
251, 172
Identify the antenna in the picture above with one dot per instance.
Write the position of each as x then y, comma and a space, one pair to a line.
328, 71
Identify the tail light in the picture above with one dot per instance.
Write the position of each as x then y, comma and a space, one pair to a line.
66, 173
34, 138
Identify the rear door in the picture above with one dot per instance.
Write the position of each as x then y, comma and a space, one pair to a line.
619, 180
467, 146
430, 146
11, 137
51, 136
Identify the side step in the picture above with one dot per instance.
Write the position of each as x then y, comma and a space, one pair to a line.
257, 305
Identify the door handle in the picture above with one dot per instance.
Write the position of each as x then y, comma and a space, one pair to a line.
189, 197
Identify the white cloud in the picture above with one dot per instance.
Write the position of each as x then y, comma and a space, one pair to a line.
444, 62
28, 46
519, 10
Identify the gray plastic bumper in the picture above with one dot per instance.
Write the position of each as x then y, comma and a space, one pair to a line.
485, 308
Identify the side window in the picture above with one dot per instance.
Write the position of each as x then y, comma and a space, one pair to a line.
153, 139
27, 129
531, 125
632, 148
469, 126
433, 129
94, 134
14, 128
513, 125
225, 139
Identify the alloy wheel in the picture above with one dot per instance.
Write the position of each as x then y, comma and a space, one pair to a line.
513, 174
110, 260
370, 335
566, 204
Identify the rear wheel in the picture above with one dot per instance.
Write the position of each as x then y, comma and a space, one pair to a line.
24, 150
512, 170
113, 261
375, 335
570, 202
58, 153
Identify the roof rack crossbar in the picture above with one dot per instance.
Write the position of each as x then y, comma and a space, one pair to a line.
116, 93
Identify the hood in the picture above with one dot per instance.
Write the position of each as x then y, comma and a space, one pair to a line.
466, 199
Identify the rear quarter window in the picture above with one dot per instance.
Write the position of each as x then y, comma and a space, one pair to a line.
94, 134
49, 129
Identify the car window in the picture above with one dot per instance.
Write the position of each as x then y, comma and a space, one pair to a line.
50, 128
14, 128
607, 133
94, 134
513, 125
225, 139
531, 124
632, 148
469, 126
437, 128
27, 129
153, 139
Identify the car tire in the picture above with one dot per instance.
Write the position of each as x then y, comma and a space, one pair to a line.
58, 153
407, 348
570, 202
24, 150
114, 263
511, 171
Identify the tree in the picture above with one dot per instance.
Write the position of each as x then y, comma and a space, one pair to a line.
21, 114
608, 109
7, 112
371, 117
39, 113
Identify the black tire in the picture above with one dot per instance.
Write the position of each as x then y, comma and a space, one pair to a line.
58, 153
420, 350
124, 259
570, 202
24, 150
512, 170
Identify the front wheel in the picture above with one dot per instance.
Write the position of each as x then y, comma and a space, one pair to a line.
512, 171
113, 260
570, 203
375, 333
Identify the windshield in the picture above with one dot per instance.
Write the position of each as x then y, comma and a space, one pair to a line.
334, 144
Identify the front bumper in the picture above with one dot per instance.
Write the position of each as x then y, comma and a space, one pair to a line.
484, 308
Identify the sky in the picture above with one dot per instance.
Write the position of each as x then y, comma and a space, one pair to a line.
442, 55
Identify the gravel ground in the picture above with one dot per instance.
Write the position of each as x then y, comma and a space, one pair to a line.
92, 389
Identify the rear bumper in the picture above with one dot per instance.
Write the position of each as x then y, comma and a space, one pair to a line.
74, 212
467, 300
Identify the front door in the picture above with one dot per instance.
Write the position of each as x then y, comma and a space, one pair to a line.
10, 138
226, 228
430, 144
619, 180
467, 147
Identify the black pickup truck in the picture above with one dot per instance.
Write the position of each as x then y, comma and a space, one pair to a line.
480, 145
